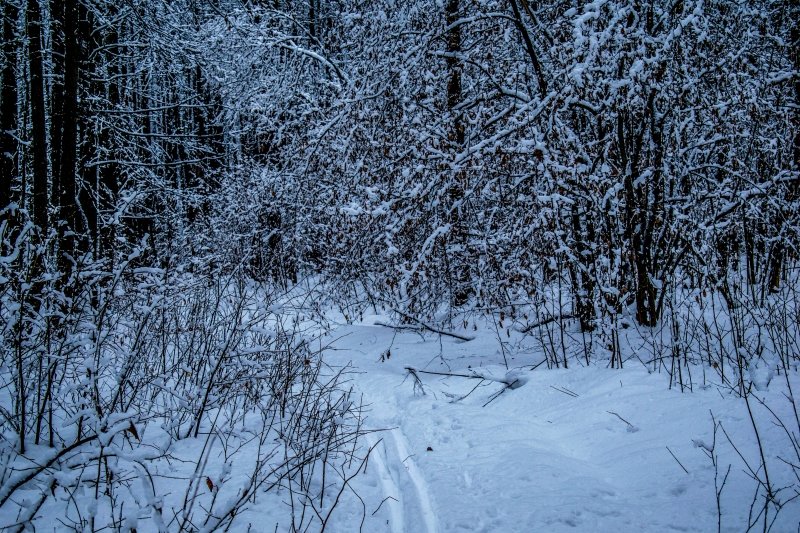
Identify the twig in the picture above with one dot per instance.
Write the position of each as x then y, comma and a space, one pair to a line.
544, 322
345, 484
447, 374
631, 427
508, 384
401, 327
456, 398
425, 326
676, 459
382, 502
540, 363
418, 386
565, 391
501, 391
617, 415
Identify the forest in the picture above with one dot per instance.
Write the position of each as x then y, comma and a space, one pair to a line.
199, 199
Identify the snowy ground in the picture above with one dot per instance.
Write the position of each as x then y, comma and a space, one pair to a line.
553, 454
588, 449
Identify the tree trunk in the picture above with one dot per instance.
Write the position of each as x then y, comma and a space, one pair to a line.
454, 69
38, 142
582, 280
109, 172
312, 21
85, 44
778, 252
529, 48
8, 105
460, 265
57, 20
65, 168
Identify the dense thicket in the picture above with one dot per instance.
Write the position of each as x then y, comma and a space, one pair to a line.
462, 154
602, 162
471, 154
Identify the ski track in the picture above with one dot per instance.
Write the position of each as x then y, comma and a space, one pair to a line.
388, 484
538, 459
420, 487
401, 478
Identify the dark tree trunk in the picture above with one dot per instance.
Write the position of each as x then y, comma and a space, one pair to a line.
38, 141
39, 194
778, 252
8, 105
640, 146
454, 71
8, 174
312, 21
109, 172
65, 167
460, 263
529, 48
582, 273
57, 20
85, 44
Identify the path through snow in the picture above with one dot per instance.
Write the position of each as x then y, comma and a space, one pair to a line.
552, 455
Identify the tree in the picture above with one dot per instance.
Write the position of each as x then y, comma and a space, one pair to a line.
39, 204
8, 104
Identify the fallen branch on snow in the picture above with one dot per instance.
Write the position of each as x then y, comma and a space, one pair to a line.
509, 384
422, 326
544, 322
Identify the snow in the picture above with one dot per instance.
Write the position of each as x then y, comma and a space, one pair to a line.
456, 440
583, 449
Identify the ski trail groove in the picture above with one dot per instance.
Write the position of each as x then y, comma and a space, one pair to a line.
417, 481
390, 488
401, 479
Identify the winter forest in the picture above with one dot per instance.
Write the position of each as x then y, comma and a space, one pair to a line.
399, 265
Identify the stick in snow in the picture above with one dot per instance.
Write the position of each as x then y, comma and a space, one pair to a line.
424, 326
676, 460
382, 502
567, 392
631, 427
544, 322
